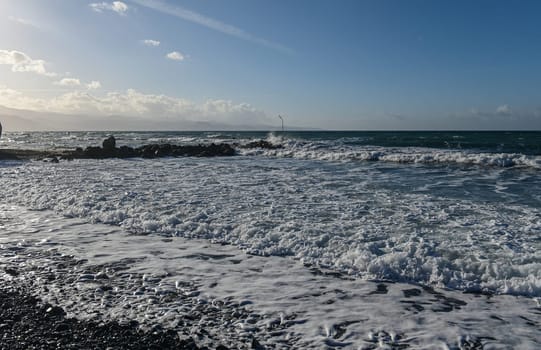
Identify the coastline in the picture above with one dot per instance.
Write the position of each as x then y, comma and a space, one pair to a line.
47, 294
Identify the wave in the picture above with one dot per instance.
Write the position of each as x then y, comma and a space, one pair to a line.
339, 152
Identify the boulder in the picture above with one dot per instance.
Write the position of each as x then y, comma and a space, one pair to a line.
109, 144
93, 152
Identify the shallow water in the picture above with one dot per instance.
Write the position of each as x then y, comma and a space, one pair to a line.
294, 305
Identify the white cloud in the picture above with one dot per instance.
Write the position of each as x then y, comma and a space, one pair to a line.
504, 110
150, 42
132, 103
93, 85
99, 7
68, 82
117, 6
73, 82
175, 56
21, 62
16, 99
208, 22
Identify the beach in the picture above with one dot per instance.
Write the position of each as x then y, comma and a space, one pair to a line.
29, 324
325, 242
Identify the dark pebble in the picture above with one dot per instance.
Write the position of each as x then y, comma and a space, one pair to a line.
29, 324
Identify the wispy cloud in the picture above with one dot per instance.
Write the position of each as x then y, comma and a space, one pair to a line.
150, 42
503, 110
24, 22
192, 16
117, 6
500, 112
68, 82
21, 62
175, 56
395, 116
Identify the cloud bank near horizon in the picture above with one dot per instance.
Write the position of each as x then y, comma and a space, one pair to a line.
137, 105
82, 99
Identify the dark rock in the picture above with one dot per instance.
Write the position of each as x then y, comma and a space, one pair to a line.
256, 345
93, 152
110, 150
262, 144
55, 311
380, 289
147, 151
109, 144
413, 292
126, 152
11, 272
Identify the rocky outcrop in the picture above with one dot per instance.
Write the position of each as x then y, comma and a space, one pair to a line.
109, 144
154, 151
110, 150
262, 144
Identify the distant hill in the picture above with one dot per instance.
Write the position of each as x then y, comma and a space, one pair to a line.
25, 120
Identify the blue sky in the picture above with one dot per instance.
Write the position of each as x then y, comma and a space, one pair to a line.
416, 64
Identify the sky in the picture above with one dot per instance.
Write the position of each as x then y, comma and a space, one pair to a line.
348, 64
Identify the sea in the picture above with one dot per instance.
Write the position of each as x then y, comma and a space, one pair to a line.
336, 240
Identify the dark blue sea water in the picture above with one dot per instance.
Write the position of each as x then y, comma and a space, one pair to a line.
523, 142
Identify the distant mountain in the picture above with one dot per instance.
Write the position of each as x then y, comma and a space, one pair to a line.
25, 120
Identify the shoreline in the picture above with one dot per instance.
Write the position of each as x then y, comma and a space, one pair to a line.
29, 323
221, 298
47, 295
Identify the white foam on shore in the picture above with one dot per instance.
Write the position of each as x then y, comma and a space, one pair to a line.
315, 310
347, 218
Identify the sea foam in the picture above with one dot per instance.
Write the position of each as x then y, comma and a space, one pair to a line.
351, 218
